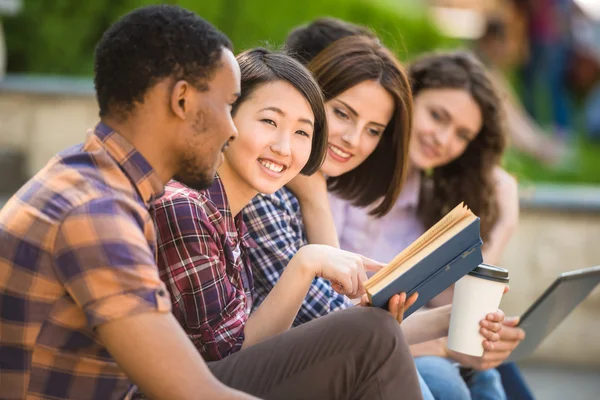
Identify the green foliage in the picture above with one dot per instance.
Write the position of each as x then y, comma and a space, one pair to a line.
580, 166
59, 36
50, 36
252, 23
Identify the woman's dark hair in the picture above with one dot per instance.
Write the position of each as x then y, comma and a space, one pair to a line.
260, 66
343, 65
151, 44
468, 178
306, 41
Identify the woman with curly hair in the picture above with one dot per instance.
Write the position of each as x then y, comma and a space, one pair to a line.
457, 145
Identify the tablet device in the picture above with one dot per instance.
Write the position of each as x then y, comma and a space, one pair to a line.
552, 307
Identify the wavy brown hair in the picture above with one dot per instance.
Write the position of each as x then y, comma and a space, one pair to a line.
342, 65
469, 177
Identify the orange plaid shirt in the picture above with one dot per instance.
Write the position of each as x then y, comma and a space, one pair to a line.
77, 249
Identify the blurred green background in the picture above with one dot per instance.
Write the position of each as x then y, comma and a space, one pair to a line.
58, 38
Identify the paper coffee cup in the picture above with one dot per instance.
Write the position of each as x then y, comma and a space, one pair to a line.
475, 295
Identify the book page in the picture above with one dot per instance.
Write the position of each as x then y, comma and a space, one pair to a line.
415, 258
452, 218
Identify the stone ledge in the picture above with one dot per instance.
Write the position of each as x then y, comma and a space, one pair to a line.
577, 198
47, 85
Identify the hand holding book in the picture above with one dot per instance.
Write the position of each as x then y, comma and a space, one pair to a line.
397, 305
436, 260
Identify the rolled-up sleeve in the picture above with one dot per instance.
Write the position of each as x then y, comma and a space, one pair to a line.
106, 264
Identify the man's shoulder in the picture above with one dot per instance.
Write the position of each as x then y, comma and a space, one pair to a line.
73, 179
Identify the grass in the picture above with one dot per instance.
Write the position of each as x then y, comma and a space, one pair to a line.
583, 166
583, 163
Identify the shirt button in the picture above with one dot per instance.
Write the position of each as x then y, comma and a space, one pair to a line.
161, 292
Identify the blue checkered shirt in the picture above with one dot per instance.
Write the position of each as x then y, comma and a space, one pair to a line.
275, 223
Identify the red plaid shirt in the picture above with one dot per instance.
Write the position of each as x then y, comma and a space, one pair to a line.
202, 259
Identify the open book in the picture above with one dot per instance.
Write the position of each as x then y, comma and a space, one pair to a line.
432, 263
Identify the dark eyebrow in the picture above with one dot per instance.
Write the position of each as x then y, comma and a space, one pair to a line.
353, 111
306, 121
274, 109
280, 112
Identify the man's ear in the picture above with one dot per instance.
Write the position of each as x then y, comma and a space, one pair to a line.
179, 98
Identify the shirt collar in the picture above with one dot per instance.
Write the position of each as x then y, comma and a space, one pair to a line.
216, 193
135, 166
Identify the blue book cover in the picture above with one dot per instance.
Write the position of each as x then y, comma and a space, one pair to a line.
437, 271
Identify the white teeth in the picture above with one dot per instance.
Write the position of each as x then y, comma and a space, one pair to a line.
272, 166
339, 151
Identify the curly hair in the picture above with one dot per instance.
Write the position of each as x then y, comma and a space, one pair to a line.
151, 44
469, 177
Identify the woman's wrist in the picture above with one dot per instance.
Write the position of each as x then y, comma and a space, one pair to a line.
304, 264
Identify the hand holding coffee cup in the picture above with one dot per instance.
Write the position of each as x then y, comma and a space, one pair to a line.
495, 353
490, 329
475, 296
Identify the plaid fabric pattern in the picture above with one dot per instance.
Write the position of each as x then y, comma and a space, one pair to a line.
275, 223
202, 259
77, 249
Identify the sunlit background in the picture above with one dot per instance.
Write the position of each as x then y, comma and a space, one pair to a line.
537, 47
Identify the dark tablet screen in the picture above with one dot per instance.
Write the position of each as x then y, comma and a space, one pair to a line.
552, 307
